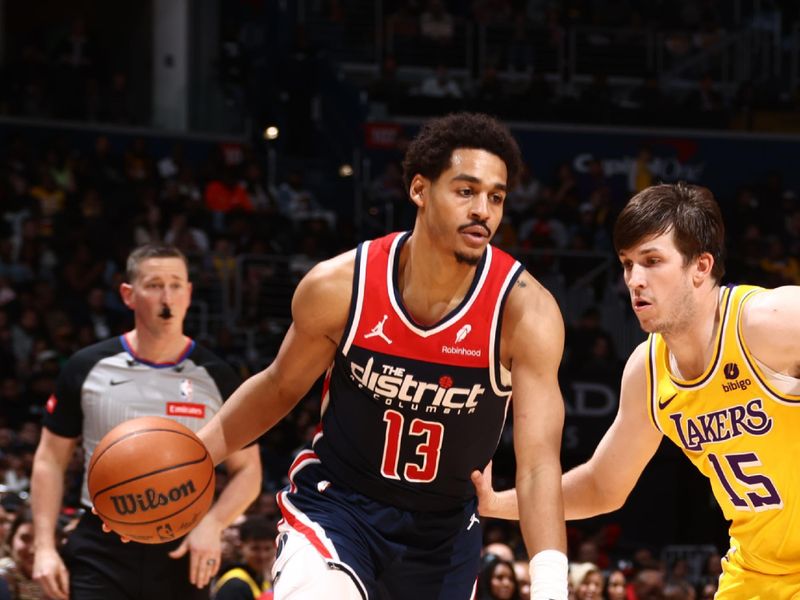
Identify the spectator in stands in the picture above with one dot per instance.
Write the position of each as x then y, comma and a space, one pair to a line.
25, 334
250, 579
782, 269
149, 228
436, 25
50, 197
543, 230
229, 545
259, 194
17, 568
496, 580
523, 575
641, 174
585, 580
615, 585
678, 574
224, 195
520, 201
498, 549
440, 85
298, 203
189, 239
102, 167
81, 271
678, 590
648, 584
707, 590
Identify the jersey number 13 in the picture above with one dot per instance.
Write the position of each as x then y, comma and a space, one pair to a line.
427, 435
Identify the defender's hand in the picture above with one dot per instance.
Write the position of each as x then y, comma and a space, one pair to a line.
487, 497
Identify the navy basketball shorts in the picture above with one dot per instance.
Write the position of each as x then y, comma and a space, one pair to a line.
389, 552
102, 567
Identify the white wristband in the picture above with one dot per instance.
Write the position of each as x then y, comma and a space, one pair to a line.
549, 570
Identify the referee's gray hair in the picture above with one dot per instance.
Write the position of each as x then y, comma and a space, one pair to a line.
146, 251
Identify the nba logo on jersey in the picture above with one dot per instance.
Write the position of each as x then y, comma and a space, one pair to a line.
186, 390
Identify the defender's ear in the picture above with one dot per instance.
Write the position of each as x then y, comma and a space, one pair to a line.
703, 266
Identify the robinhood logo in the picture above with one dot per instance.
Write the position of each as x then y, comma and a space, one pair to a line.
128, 504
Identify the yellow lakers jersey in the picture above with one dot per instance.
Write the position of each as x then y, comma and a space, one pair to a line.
742, 434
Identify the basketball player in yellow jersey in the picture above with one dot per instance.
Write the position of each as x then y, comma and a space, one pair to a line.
719, 375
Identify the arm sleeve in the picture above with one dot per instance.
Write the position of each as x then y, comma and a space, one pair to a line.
64, 413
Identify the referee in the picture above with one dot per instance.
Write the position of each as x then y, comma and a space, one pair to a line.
153, 369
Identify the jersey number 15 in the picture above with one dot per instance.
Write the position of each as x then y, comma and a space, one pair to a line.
736, 464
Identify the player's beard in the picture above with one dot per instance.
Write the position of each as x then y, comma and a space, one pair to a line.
680, 315
468, 259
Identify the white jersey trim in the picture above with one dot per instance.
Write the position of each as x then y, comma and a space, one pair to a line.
496, 378
359, 299
454, 318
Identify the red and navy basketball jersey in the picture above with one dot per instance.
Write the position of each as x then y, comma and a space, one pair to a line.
411, 410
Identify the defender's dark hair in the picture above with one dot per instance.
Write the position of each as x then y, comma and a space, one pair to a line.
146, 251
689, 211
430, 151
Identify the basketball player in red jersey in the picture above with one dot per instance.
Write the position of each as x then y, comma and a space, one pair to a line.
421, 335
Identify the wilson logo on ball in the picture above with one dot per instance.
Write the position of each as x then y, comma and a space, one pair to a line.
128, 504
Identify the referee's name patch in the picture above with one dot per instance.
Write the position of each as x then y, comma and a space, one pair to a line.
186, 409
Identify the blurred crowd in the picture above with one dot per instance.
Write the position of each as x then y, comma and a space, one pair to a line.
599, 62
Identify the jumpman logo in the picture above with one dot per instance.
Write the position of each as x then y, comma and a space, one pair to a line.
377, 331
472, 520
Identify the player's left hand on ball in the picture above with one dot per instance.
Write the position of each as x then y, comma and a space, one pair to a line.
204, 544
107, 529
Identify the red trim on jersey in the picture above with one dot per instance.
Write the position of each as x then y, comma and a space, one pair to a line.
302, 528
460, 338
289, 516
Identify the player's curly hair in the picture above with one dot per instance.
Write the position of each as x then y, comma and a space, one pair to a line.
430, 152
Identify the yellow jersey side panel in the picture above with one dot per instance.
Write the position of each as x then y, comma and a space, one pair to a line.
742, 435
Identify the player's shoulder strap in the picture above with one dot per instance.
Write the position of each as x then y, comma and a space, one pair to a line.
238, 573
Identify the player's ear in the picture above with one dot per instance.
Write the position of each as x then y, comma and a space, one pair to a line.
418, 190
126, 292
703, 267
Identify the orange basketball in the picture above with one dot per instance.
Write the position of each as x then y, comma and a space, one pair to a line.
151, 479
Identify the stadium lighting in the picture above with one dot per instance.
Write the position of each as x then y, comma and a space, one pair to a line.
271, 133
345, 170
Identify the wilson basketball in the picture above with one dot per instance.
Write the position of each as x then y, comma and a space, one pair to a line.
151, 479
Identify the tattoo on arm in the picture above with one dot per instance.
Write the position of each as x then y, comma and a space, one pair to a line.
521, 283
